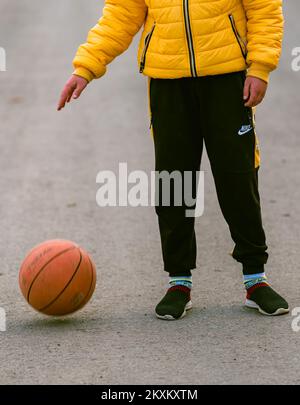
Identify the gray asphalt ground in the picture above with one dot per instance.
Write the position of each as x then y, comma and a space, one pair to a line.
48, 167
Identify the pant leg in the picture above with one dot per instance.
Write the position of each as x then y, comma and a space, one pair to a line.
178, 147
231, 144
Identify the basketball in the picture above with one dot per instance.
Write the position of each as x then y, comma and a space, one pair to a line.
57, 277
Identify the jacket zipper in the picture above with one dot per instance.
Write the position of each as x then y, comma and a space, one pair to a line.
147, 43
239, 39
188, 30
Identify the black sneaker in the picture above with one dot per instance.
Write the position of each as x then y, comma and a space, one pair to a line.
267, 301
174, 304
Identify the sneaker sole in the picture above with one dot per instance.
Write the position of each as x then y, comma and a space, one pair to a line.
188, 307
253, 305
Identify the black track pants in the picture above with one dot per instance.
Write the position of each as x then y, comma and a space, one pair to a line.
185, 112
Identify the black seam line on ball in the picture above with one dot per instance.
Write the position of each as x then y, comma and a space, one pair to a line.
66, 286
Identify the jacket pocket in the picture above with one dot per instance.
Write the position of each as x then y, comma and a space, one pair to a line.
240, 41
146, 46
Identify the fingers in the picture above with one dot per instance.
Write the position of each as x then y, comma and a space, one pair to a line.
251, 102
66, 95
69, 98
254, 91
255, 98
247, 89
79, 88
251, 94
72, 89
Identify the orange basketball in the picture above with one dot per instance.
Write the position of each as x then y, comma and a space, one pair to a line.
57, 277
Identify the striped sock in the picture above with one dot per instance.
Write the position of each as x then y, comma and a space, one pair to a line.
253, 281
185, 281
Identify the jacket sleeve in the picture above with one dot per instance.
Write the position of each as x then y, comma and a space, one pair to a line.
264, 37
111, 36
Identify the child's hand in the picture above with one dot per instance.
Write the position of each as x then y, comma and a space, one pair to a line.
254, 91
73, 88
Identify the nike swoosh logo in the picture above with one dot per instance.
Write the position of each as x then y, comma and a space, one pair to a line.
244, 131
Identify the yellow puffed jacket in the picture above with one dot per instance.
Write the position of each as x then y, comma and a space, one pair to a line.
184, 38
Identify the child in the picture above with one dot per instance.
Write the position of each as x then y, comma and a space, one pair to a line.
209, 63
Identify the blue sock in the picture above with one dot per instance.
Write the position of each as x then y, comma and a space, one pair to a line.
185, 281
250, 280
